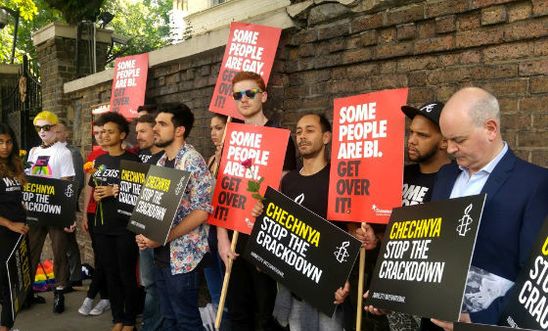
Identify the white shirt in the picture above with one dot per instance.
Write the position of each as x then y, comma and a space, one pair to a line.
53, 162
467, 185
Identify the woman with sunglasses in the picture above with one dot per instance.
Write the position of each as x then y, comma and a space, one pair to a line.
12, 213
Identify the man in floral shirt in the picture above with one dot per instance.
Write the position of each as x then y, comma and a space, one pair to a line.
177, 264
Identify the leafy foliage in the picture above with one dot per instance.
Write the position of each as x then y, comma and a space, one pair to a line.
76, 11
144, 23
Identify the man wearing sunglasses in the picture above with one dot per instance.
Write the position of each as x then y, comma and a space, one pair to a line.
54, 160
251, 292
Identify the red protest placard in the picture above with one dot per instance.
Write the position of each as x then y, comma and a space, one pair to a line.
129, 84
232, 202
367, 156
250, 47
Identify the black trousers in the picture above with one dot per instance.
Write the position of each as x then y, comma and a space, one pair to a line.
251, 297
6, 245
118, 254
98, 280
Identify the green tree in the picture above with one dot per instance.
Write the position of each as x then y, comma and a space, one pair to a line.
76, 11
27, 10
144, 23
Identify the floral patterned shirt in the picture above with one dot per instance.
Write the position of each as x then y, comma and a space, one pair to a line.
187, 251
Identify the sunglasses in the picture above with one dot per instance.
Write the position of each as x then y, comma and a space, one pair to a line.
248, 93
46, 127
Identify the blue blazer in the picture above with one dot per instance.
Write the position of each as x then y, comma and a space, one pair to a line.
517, 203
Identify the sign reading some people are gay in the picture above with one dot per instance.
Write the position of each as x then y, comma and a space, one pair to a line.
367, 156
159, 199
250, 47
301, 250
129, 84
527, 306
50, 201
252, 156
425, 256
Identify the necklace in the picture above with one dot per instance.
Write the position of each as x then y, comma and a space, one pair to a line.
44, 146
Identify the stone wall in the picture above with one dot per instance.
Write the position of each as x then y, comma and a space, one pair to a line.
432, 47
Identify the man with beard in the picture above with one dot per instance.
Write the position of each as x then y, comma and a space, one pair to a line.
425, 146
148, 153
178, 264
309, 186
428, 149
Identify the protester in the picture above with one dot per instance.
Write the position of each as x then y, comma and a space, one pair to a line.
73, 251
309, 186
515, 209
115, 244
148, 153
214, 271
51, 159
178, 264
98, 283
12, 213
251, 293
425, 146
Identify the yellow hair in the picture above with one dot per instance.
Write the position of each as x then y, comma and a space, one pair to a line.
46, 116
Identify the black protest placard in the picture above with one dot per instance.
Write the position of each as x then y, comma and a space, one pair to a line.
301, 250
19, 276
527, 305
424, 260
158, 202
132, 177
49, 201
481, 327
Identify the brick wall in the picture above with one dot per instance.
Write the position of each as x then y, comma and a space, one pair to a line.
432, 47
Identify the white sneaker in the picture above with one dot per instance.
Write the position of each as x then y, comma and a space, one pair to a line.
100, 308
86, 307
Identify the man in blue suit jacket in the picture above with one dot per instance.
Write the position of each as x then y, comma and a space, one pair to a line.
517, 200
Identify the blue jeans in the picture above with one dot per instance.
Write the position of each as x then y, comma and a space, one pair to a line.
179, 299
214, 272
152, 318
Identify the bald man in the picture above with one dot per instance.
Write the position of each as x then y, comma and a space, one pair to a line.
517, 196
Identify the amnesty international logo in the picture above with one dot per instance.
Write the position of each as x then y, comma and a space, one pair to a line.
69, 191
464, 222
341, 252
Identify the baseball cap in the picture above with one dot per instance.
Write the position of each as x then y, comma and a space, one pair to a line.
430, 110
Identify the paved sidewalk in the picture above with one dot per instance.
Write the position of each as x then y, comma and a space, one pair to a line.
41, 318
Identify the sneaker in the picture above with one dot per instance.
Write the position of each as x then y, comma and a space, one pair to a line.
86, 307
100, 308
58, 302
